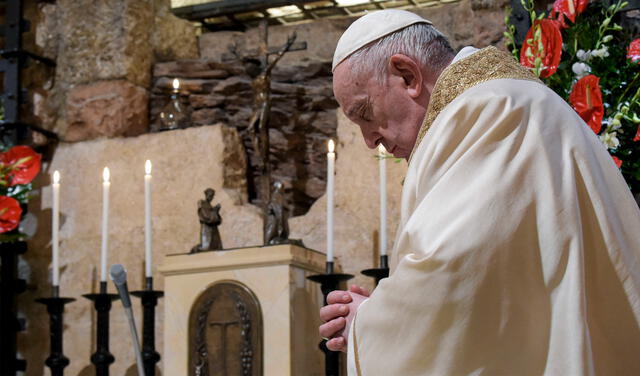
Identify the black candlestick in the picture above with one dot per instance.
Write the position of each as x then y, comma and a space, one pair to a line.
378, 273
329, 281
10, 325
149, 299
102, 358
55, 307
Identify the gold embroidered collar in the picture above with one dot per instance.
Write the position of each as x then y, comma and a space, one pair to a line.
487, 64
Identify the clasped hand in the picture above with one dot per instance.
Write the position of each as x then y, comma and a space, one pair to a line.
338, 314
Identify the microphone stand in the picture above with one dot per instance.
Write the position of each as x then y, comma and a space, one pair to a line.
149, 298
102, 358
119, 277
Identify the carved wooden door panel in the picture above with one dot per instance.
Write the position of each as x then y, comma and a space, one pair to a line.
225, 332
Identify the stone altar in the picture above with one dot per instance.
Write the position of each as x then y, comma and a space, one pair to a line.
287, 306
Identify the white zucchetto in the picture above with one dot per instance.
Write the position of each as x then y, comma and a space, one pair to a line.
371, 27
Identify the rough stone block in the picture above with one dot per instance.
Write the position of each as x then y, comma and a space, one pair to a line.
173, 38
106, 108
200, 101
105, 40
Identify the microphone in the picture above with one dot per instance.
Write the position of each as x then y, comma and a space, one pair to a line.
119, 277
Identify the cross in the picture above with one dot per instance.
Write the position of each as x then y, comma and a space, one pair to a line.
224, 325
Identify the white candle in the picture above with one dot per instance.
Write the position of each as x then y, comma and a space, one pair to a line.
55, 224
105, 224
383, 200
331, 158
147, 218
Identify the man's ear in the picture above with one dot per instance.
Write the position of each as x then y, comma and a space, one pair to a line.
405, 68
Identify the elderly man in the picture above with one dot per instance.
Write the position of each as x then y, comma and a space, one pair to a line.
518, 250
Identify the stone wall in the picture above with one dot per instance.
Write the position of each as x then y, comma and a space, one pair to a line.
104, 52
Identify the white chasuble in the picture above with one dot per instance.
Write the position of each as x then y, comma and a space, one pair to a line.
518, 251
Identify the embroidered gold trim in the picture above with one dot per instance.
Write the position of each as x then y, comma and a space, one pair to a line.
482, 66
356, 358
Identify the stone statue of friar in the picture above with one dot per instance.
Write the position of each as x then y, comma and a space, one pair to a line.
277, 226
210, 219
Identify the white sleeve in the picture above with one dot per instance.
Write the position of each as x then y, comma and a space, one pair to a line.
351, 363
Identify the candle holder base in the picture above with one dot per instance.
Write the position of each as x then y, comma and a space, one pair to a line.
55, 308
380, 272
102, 358
376, 273
329, 282
149, 300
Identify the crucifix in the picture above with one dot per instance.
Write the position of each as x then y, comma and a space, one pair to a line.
260, 70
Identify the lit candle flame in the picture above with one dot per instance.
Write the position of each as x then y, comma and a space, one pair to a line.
332, 146
106, 174
382, 150
147, 167
56, 177
176, 84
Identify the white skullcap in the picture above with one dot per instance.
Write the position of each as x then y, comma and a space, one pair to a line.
370, 27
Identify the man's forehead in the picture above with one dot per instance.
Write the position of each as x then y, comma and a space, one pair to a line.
347, 87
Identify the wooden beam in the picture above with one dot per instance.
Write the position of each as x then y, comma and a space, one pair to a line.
226, 7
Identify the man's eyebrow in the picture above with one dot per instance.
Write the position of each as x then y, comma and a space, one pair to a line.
357, 106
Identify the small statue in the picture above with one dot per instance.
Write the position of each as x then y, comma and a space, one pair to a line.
277, 222
210, 219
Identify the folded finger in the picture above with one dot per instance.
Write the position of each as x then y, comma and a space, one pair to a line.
336, 344
338, 296
333, 311
332, 327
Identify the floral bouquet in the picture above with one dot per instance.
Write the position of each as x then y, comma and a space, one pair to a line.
583, 55
18, 167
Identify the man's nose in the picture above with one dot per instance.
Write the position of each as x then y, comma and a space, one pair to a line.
371, 143
370, 138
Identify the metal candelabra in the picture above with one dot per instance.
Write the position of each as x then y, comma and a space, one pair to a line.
329, 281
55, 307
102, 358
149, 299
378, 273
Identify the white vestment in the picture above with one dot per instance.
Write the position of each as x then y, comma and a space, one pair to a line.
518, 250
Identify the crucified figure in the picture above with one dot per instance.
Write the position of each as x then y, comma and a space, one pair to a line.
260, 70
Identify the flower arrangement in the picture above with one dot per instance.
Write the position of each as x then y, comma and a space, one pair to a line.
579, 51
18, 167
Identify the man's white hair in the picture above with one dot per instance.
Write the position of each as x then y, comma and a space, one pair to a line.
422, 42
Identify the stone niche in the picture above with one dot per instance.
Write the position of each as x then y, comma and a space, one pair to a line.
302, 118
248, 311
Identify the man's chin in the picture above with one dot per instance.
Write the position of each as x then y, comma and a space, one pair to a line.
400, 154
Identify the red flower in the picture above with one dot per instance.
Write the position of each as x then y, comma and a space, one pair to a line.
568, 8
548, 48
22, 163
10, 212
586, 99
633, 51
637, 137
617, 161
